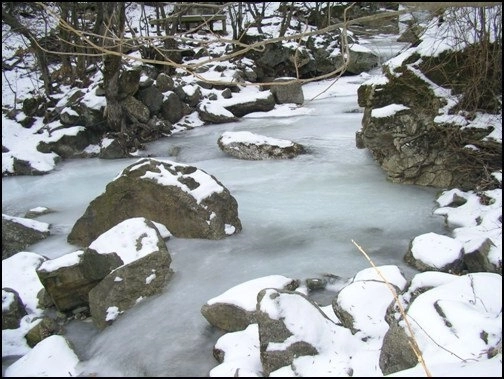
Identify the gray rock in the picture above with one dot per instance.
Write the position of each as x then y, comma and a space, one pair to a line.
396, 353
208, 114
250, 146
13, 309
193, 204
113, 149
129, 83
412, 146
127, 285
272, 330
262, 104
69, 145
18, 233
172, 108
39, 211
362, 61
152, 98
69, 283
455, 266
136, 109
287, 93
233, 314
228, 317
164, 82
45, 328
22, 167
69, 117
227, 94
477, 260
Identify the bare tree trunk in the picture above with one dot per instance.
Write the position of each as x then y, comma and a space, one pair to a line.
112, 31
236, 17
66, 64
258, 15
17, 27
286, 20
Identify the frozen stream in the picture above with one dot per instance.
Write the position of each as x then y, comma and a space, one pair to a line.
299, 217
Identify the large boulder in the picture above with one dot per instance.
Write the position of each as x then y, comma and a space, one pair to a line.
361, 59
152, 97
19, 233
69, 278
114, 148
397, 353
211, 112
145, 269
127, 285
135, 109
172, 108
478, 260
251, 146
129, 82
227, 110
188, 201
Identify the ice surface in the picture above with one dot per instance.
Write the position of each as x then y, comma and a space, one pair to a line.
299, 217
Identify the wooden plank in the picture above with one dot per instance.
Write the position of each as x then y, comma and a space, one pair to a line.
203, 17
190, 18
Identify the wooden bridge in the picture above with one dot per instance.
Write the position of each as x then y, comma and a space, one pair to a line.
194, 21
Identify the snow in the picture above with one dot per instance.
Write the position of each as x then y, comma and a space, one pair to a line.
207, 185
245, 295
388, 110
38, 209
94, 102
22, 144
112, 313
123, 239
28, 223
281, 110
435, 250
18, 272
472, 303
52, 357
250, 138
66, 260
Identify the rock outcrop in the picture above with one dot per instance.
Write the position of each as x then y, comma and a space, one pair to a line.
419, 132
